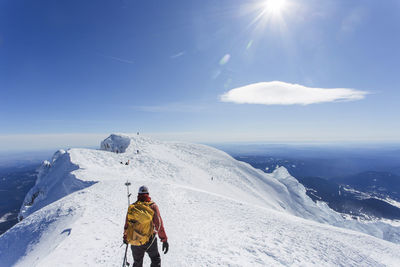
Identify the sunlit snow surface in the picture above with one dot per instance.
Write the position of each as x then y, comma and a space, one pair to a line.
240, 217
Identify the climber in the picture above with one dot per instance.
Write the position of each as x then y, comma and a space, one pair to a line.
143, 222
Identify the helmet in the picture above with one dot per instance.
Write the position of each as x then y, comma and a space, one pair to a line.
143, 190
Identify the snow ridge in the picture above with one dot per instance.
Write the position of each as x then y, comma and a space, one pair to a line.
54, 181
216, 210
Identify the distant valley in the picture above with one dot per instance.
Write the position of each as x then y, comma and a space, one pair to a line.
361, 181
14, 184
367, 195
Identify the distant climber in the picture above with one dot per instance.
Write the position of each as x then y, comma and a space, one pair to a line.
137, 151
127, 163
143, 222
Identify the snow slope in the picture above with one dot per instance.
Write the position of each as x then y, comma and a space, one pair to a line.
217, 212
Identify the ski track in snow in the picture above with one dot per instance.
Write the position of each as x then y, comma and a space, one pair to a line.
242, 217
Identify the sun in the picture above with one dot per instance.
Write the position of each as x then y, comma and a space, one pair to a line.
274, 7
270, 14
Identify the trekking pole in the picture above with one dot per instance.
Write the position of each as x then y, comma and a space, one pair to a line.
127, 189
125, 262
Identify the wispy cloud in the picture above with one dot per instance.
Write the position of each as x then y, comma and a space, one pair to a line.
119, 59
353, 20
178, 54
281, 93
170, 107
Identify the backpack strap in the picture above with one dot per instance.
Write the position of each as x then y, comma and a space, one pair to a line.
144, 202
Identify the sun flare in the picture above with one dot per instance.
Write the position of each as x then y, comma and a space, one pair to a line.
274, 6
272, 14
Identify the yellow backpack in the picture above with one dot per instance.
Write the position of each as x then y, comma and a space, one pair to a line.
140, 223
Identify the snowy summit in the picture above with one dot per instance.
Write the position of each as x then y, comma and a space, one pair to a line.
217, 211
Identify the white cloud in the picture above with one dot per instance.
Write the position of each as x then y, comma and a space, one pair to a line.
281, 93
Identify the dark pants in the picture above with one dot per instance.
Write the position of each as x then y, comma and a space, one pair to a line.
151, 249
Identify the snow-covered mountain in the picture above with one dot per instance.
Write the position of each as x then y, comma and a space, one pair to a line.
217, 212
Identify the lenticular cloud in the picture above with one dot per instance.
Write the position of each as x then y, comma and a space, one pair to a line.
281, 93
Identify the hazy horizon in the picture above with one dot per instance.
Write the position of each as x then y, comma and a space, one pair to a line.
20, 143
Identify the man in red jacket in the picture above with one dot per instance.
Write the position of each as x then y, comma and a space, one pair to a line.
150, 247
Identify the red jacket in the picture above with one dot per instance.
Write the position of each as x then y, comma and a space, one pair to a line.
158, 223
157, 220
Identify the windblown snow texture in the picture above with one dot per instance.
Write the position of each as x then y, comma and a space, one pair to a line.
75, 213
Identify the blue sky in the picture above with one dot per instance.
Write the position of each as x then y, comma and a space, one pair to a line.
88, 68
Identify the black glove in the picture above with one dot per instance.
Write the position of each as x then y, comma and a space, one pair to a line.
125, 241
165, 247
